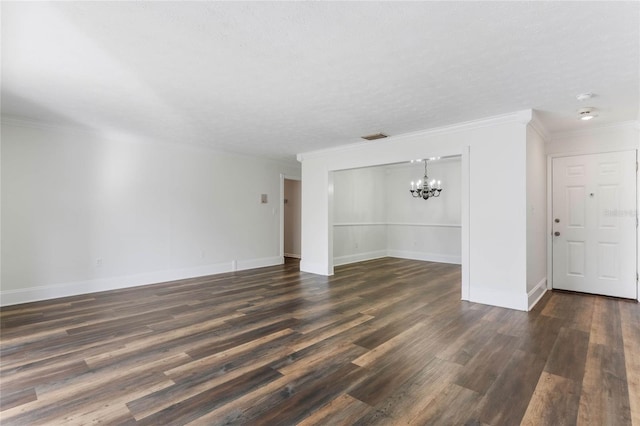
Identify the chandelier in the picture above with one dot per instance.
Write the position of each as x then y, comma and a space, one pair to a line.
425, 189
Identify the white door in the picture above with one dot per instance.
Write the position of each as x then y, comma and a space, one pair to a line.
594, 224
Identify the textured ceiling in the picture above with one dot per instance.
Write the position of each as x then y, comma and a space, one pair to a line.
278, 78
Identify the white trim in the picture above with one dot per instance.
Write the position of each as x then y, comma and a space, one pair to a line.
433, 225
359, 257
574, 133
465, 215
316, 268
75, 288
501, 298
429, 257
536, 293
401, 254
39, 125
281, 216
594, 151
514, 117
538, 127
281, 211
407, 164
295, 256
549, 222
361, 224
100, 133
330, 212
259, 263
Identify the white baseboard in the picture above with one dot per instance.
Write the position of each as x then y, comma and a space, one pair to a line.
315, 268
359, 257
259, 263
402, 254
296, 256
536, 293
488, 296
430, 257
34, 294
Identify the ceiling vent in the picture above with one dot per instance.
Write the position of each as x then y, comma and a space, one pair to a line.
374, 137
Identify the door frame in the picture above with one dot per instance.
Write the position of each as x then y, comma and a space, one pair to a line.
281, 210
550, 158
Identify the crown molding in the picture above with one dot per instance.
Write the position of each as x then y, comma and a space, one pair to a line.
86, 131
524, 116
33, 124
521, 117
631, 124
538, 126
410, 165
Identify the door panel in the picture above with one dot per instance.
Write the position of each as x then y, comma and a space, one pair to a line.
608, 261
576, 206
607, 201
575, 258
594, 211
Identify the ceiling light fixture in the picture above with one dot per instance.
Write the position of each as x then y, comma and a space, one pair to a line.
587, 113
425, 189
374, 137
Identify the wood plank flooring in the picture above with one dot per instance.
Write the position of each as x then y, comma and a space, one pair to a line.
382, 342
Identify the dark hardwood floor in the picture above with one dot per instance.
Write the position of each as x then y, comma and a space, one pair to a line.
381, 342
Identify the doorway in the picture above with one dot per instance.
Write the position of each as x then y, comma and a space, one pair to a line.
375, 215
594, 224
292, 208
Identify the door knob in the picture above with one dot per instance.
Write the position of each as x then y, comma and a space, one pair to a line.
557, 233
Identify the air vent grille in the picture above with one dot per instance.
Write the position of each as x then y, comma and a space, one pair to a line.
374, 137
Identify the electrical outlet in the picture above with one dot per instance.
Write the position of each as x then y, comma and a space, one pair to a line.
99, 261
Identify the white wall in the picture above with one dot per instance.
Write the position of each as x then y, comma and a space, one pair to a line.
317, 214
536, 215
419, 229
497, 223
359, 218
494, 200
375, 215
292, 217
593, 140
83, 212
